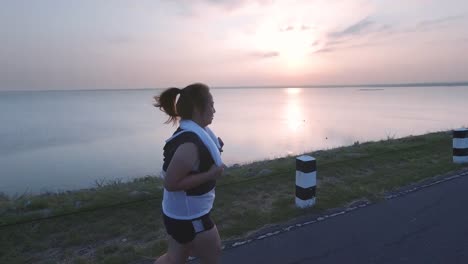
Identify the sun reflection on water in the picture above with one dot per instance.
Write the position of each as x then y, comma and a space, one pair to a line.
294, 112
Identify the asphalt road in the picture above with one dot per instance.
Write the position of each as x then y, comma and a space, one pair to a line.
429, 225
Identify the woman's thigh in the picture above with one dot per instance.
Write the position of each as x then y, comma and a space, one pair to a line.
207, 246
176, 252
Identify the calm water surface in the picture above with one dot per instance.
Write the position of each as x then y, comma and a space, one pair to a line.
60, 140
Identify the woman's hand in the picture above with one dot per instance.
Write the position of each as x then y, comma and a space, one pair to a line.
221, 143
178, 177
215, 172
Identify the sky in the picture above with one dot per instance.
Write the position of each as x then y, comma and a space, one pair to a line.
116, 44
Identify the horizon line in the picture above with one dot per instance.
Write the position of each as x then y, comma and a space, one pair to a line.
381, 85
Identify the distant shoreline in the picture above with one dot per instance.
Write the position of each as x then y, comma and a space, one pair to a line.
428, 84
388, 85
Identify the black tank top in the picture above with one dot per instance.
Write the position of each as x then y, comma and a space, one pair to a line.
206, 161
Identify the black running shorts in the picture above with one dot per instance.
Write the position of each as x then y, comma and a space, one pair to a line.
184, 231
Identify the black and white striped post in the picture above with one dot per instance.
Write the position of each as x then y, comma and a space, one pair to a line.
460, 145
306, 180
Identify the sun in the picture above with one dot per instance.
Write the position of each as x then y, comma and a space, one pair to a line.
294, 48
293, 45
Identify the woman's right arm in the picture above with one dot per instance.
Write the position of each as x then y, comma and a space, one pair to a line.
178, 177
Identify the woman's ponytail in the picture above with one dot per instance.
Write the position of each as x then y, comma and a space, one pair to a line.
166, 102
196, 95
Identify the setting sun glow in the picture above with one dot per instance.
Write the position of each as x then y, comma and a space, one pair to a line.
294, 47
293, 44
231, 43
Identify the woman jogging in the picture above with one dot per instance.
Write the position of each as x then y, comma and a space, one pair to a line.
192, 164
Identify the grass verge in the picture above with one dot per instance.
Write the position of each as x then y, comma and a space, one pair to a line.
121, 223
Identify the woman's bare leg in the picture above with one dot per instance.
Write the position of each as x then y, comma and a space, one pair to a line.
176, 253
207, 246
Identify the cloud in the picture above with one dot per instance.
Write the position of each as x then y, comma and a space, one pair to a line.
264, 55
440, 21
235, 3
433, 24
351, 36
327, 48
360, 27
291, 28
189, 7
335, 42
324, 50
315, 43
288, 28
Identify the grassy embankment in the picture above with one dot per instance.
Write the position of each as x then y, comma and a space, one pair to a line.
120, 222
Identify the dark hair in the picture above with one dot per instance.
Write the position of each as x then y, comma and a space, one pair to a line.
193, 96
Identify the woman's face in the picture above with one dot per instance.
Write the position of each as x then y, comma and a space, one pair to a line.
204, 118
208, 114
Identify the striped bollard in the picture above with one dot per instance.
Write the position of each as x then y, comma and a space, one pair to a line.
460, 145
306, 174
